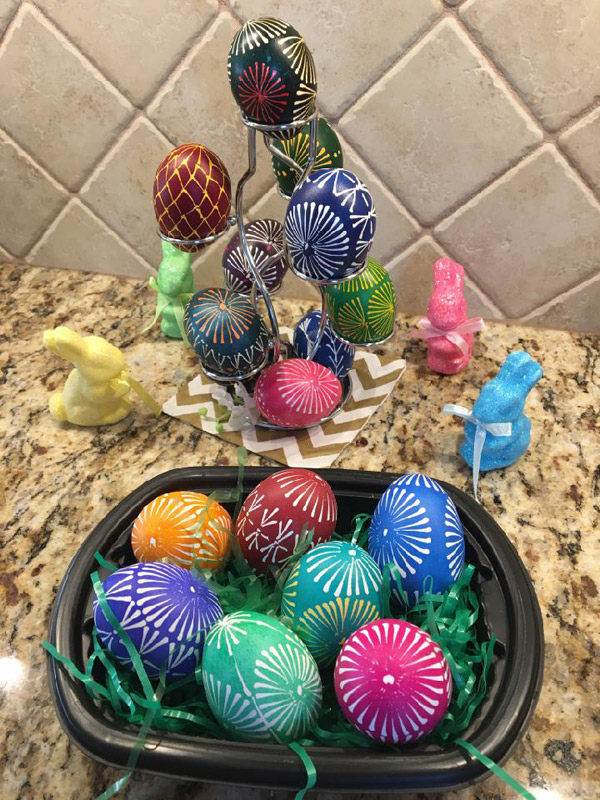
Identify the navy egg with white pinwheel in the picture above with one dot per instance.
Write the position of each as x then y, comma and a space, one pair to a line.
329, 225
416, 528
331, 352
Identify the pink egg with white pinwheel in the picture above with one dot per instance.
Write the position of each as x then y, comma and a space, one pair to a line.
392, 681
297, 393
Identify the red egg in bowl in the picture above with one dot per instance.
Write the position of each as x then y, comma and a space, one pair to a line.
297, 393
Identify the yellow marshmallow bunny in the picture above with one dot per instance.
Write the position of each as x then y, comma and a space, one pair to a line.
95, 393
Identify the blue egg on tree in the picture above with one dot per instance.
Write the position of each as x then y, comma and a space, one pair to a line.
329, 225
166, 611
331, 592
416, 527
227, 334
331, 352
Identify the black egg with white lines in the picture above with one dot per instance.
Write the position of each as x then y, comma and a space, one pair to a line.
416, 527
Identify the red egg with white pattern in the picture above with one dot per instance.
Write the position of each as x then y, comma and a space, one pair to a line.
297, 393
392, 681
279, 511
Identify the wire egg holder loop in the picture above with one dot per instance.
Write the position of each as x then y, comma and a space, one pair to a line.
259, 289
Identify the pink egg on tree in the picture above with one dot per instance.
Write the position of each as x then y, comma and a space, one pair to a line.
392, 681
279, 511
297, 393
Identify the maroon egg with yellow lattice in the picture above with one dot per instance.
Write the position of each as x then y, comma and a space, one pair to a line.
192, 195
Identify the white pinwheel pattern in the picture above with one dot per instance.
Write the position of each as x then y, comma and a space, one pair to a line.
343, 569
317, 240
257, 32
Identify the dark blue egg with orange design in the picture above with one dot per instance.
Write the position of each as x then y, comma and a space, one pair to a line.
272, 73
227, 334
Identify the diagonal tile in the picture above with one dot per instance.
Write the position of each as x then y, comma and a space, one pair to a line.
549, 50
196, 105
30, 201
395, 227
531, 235
7, 9
134, 43
455, 127
351, 50
120, 190
53, 102
79, 240
578, 310
582, 143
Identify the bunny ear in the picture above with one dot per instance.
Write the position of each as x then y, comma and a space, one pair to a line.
448, 273
532, 372
519, 365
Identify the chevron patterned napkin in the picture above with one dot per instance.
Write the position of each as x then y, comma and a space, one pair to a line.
372, 378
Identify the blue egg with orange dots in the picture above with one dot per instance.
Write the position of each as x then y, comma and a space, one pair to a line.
166, 610
331, 352
227, 334
416, 527
329, 225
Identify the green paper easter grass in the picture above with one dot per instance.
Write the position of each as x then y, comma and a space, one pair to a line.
130, 696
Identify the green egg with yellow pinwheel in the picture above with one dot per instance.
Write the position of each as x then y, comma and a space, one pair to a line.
331, 592
328, 154
363, 309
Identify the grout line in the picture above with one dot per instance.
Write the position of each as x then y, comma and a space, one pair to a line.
10, 24
536, 312
578, 172
579, 117
443, 14
28, 157
177, 68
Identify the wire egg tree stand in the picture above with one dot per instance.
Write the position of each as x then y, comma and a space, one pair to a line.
259, 289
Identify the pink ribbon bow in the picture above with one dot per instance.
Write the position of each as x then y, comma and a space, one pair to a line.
427, 330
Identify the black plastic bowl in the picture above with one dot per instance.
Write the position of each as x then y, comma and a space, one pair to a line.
510, 608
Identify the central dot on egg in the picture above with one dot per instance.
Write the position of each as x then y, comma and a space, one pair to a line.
193, 589
389, 679
299, 690
223, 307
351, 552
153, 541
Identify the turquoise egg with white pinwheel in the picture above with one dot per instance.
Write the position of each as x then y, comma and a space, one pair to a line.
332, 591
261, 682
416, 528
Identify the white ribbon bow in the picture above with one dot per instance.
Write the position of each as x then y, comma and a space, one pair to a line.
243, 414
482, 429
427, 330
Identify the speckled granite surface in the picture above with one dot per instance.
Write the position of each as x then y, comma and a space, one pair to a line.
59, 481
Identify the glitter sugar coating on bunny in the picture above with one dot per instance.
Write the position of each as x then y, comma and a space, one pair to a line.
95, 392
502, 399
447, 310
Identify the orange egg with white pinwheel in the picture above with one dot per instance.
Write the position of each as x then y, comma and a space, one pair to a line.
183, 528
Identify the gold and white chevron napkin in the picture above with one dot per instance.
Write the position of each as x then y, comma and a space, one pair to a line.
372, 378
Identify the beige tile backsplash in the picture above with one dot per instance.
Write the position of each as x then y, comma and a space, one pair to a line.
475, 124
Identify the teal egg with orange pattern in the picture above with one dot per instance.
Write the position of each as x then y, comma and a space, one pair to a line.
225, 331
362, 310
331, 592
328, 154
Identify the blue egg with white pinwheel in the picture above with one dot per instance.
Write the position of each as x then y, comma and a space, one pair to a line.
417, 529
165, 610
331, 352
329, 225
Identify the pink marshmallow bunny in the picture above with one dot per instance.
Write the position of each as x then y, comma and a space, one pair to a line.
447, 328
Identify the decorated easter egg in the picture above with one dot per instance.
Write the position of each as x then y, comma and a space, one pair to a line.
328, 154
296, 393
272, 73
363, 309
265, 239
192, 194
332, 591
416, 527
331, 352
329, 225
166, 611
392, 681
183, 528
227, 334
261, 682
279, 511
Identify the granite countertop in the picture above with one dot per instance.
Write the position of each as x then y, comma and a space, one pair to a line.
58, 481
